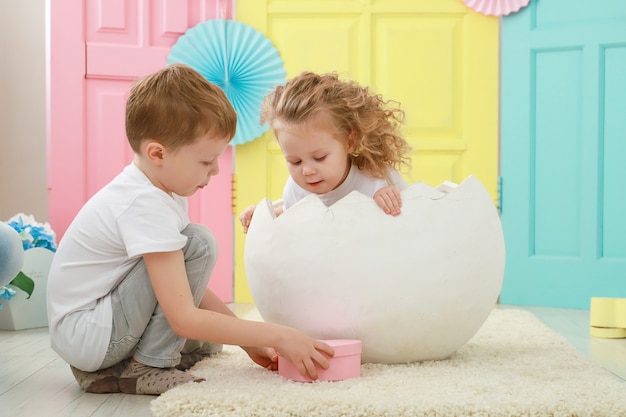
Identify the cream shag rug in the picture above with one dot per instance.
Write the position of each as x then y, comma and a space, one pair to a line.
513, 366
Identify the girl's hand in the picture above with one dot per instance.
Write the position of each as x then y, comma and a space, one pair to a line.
388, 198
246, 217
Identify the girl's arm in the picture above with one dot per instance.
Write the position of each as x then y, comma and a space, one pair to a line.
246, 217
388, 198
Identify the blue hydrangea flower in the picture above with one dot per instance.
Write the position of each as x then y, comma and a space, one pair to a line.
6, 293
33, 234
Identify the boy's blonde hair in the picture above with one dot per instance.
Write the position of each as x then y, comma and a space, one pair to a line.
175, 106
355, 111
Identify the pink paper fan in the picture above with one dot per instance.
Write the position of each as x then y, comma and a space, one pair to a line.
496, 7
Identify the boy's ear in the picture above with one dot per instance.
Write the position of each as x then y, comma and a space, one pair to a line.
154, 152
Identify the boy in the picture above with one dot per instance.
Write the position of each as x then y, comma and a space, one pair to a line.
127, 296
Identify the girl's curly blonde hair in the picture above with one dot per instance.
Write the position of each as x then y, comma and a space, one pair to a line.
356, 112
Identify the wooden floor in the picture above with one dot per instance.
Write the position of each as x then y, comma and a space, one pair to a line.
34, 381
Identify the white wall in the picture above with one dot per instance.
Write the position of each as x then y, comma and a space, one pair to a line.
23, 186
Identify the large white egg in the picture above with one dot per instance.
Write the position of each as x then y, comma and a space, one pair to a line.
413, 287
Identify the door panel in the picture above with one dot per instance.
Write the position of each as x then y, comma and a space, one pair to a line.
97, 49
563, 95
439, 59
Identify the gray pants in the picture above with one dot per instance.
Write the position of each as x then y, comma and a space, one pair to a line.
140, 328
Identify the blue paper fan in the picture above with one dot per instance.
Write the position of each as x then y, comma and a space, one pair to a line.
239, 59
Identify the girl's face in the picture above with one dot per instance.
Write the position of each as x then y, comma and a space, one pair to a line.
189, 168
316, 153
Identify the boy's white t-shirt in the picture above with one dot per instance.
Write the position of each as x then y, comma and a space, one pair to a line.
356, 180
127, 218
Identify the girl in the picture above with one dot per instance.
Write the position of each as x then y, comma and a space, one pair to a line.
336, 137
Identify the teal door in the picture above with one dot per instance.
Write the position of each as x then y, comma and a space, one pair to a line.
563, 160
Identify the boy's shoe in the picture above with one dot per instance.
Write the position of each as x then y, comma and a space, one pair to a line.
187, 360
138, 378
103, 381
195, 352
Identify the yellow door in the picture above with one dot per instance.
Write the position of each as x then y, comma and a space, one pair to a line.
438, 58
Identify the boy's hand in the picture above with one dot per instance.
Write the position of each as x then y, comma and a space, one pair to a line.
305, 353
246, 217
388, 198
264, 356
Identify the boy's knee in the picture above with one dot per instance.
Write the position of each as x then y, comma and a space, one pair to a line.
200, 257
200, 238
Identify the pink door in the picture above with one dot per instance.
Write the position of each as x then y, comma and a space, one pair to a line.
96, 49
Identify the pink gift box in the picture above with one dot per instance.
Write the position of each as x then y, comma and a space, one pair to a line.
345, 364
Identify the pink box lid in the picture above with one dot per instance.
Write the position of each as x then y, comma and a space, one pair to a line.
345, 347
